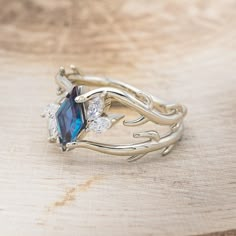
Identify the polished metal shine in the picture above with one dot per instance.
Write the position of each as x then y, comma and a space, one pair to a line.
149, 108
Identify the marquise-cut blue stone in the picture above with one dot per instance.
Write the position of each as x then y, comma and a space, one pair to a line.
70, 118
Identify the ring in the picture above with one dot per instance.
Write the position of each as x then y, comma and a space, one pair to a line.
84, 106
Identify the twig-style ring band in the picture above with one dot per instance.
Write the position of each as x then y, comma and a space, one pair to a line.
84, 106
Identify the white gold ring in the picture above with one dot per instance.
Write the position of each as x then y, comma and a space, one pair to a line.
84, 104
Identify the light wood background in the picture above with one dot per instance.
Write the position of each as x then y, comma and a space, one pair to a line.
181, 50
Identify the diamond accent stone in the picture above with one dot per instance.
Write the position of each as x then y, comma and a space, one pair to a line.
52, 128
50, 114
50, 110
95, 108
101, 124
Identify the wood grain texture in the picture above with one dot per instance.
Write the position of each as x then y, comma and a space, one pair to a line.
181, 50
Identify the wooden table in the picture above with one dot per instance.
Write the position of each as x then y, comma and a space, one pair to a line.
180, 50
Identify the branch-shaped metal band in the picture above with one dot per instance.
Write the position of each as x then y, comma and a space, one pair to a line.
76, 112
130, 101
152, 144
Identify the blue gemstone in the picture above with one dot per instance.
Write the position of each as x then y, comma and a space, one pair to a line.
70, 118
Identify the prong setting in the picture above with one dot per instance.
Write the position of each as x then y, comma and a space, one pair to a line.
95, 105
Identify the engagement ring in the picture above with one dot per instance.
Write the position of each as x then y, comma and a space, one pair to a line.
85, 104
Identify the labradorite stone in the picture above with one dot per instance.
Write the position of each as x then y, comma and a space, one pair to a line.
70, 118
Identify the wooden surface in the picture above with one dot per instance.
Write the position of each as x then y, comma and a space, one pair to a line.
181, 50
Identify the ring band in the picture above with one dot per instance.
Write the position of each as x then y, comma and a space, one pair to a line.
84, 104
